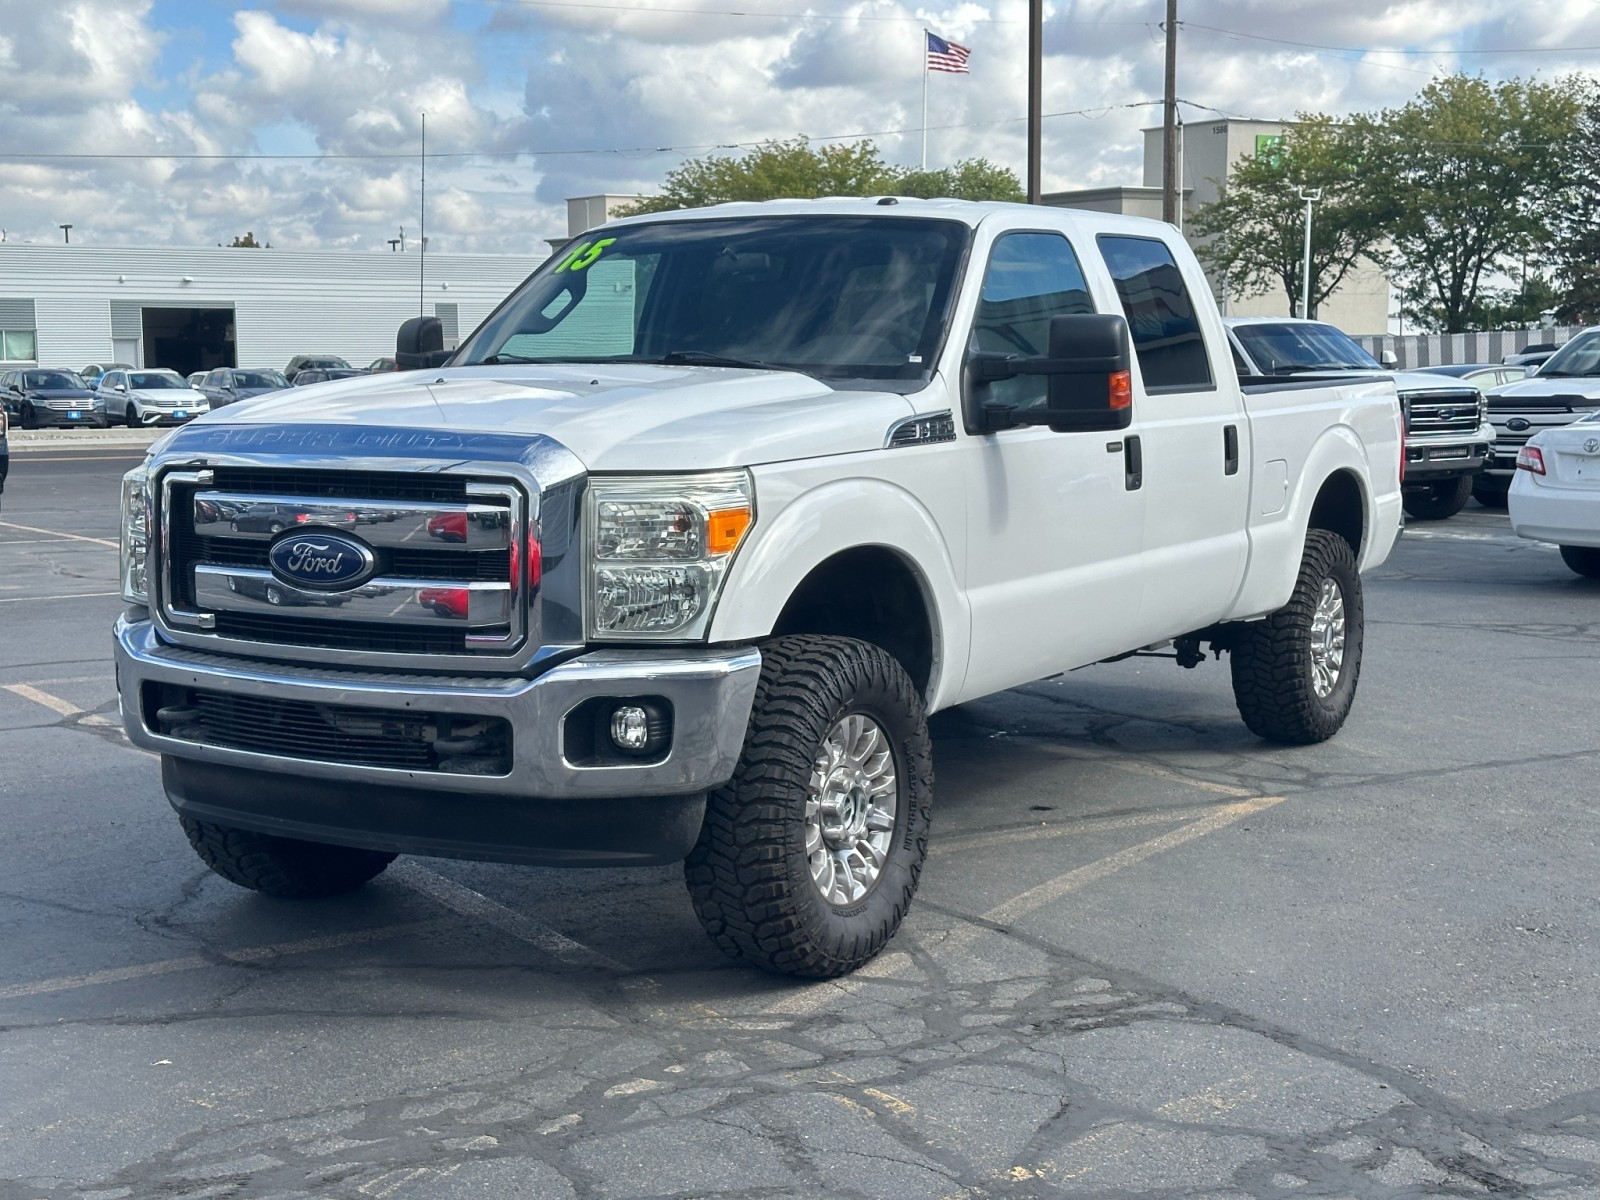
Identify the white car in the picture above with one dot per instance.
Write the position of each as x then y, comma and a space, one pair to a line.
155, 397
1555, 493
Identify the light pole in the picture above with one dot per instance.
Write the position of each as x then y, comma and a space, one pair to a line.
1310, 196
66, 234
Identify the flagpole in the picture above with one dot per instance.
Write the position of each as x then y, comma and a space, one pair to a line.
924, 100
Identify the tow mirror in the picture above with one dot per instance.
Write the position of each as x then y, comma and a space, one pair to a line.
1389, 359
420, 344
1088, 374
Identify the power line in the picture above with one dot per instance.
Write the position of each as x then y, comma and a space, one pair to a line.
1094, 112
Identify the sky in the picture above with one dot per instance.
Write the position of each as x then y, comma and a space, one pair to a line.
190, 122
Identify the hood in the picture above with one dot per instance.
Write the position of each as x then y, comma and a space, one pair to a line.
1410, 382
614, 417
1543, 387
183, 397
60, 393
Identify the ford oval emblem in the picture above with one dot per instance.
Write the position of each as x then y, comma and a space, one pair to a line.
1518, 424
326, 562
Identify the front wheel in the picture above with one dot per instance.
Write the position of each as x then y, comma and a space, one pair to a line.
130, 417
1585, 560
30, 419
810, 854
1437, 501
283, 867
1294, 673
1490, 491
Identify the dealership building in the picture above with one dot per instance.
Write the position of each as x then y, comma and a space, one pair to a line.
193, 309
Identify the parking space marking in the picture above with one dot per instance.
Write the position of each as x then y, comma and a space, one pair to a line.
1067, 828
462, 900
62, 708
56, 533
71, 596
194, 962
1036, 898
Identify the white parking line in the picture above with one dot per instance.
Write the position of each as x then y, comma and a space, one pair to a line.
71, 596
56, 533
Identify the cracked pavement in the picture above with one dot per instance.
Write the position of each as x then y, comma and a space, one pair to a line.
1151, 956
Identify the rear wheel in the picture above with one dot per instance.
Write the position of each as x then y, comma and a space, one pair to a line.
1437, 501
1294, 673
1585, 560
1490, 491
285, 867
810, 854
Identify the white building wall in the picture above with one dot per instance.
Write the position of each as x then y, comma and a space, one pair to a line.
285, 302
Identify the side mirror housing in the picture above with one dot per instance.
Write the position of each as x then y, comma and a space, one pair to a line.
420, 344
1389, 359
1088, 369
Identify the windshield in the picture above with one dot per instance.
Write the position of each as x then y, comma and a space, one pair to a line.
1281, 349
1580, 356
834, 297
153, 381
259, 379
52, 380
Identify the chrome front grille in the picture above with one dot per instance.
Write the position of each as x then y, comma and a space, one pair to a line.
446, 551
1441, 412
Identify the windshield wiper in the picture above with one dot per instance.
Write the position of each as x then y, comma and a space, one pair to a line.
705, 358
499, 359
1291, 368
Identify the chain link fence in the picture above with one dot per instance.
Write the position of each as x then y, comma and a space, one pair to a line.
1437, 349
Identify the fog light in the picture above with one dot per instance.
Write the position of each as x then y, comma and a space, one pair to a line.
630, 727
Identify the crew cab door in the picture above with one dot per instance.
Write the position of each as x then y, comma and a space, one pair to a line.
1055, 520
1194, 435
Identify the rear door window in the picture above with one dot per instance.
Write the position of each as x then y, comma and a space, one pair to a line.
1161, 314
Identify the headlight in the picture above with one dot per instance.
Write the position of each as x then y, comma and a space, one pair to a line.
1483, 407
135, 542
660, 547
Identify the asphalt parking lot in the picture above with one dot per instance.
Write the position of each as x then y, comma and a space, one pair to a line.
1151, 956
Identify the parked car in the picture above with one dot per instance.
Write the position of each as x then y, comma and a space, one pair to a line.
1447, 426
379, 365
1555, 492
45, 397
228, 384
302, 361
5, 449
1566, 388
846, 463
92, 373
196, 378
138, 398
1531, 356
1482, 376
323, 374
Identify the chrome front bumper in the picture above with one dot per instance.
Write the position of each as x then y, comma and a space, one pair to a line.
710, 691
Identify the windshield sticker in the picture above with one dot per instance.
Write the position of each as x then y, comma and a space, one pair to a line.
584, 256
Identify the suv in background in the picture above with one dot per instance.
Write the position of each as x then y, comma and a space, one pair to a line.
1566, 388
154, 397
1447, 425
227, 384
301, 362
42, 397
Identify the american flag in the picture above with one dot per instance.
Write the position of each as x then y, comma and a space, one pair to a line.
947, 56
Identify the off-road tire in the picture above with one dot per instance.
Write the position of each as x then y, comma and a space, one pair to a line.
1489, 493
1585, 560
1272, 662
1438, 500
748, 874
283, 867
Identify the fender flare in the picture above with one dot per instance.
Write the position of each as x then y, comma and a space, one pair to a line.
811, 527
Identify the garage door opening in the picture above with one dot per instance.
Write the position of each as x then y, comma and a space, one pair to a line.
186, 340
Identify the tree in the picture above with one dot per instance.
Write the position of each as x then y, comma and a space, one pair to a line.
795, 168
1575, 249
1466, 178
969, 179
1254, 235
248, 242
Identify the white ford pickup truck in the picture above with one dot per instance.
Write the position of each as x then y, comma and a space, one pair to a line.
673, 557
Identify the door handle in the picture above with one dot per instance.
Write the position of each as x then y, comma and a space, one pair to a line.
1132, 463
1230, 449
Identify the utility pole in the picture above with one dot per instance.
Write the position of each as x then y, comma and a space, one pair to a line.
422, 231
66, 233
1310, 196
1035, 99
1169, 123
